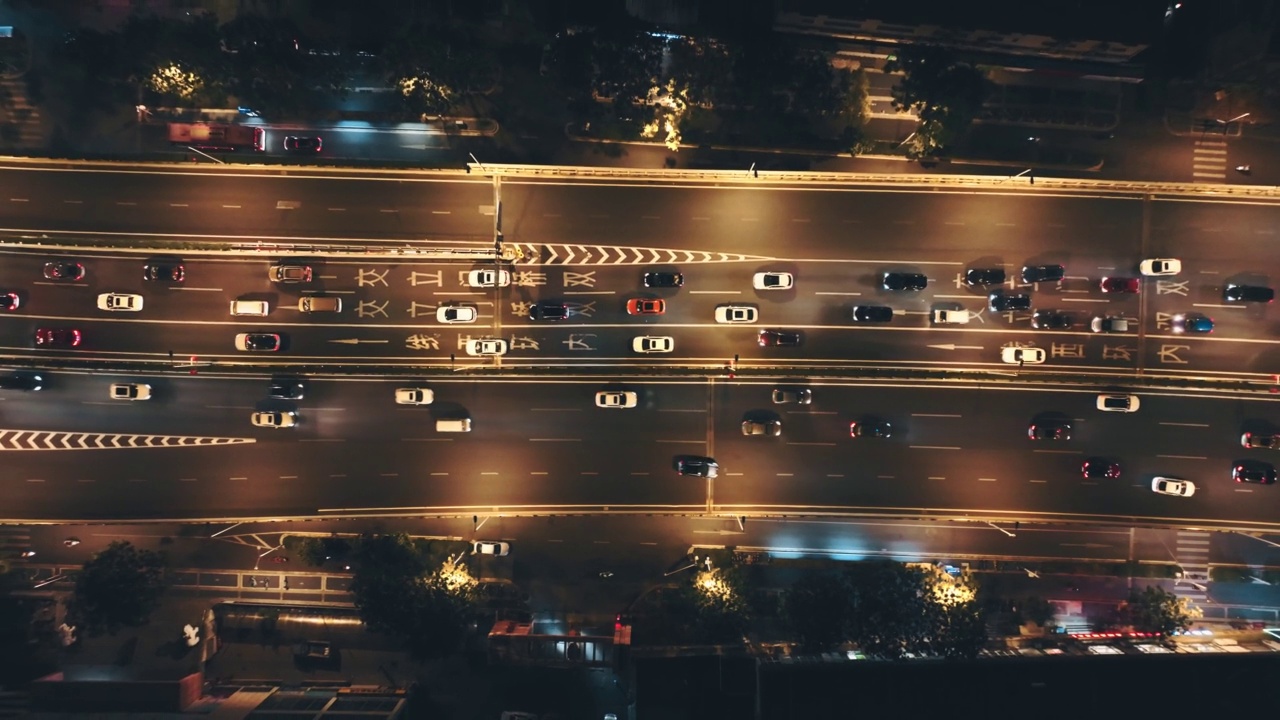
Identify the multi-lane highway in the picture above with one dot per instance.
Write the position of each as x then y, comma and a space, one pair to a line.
541, 445
191, 452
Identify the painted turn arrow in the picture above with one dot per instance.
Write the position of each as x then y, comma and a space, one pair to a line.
357, 341
950, 346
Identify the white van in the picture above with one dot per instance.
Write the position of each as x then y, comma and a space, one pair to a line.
950, 317
250, 307
453, 425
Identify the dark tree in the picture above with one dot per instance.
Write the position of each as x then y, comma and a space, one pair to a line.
703, 66
819, 608
627, 62
119, 587
1156, 610
943, 92
720, 612
280, 71
960, 631
435, 67
1036, 610
396, 595
891, 609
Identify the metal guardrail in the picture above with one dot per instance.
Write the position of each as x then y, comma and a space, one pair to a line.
988, 182
156, 246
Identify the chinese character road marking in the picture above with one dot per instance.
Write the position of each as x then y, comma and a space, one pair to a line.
523, 343
585, 279
1172, 287
372, 308
417, 278
1067, 350
365, 278
1169, 354
579, 342
423, 342
528, 278
1119, 352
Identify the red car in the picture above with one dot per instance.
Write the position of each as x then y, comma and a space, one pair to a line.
57, 337
646, 306
1120, 285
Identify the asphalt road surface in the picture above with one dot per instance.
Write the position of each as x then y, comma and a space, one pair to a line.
542, 446
587, 245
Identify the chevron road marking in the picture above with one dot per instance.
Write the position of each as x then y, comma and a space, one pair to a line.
557, 254
38, 440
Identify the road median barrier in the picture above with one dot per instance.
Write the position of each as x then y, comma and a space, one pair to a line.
443, 369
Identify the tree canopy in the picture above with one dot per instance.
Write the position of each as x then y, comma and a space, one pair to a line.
945, 93
118, 587
886, 609
1156, 610
398, 592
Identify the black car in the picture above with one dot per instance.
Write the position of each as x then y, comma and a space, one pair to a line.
1264, 441
63, 270
164, 272
9, 301
1249, 293
286, 389
871, 428
984, 276
698, 467
1043, 273
1256, 472
663, 280
303, 144
779, 338
1049, 430
548, 310
27, 382
1096, 467
1051, 320
903, 281
872, 313
1003, 302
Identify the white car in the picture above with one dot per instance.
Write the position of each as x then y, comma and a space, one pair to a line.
773, 281
653, 344
120, 302
950, 317
130, 391
490, 547
1022, 355
1173, 486
736, 314
487, 346
616, 399
1119, 403
456, 313
1160, 266
414, 396
488, 278
274, 419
